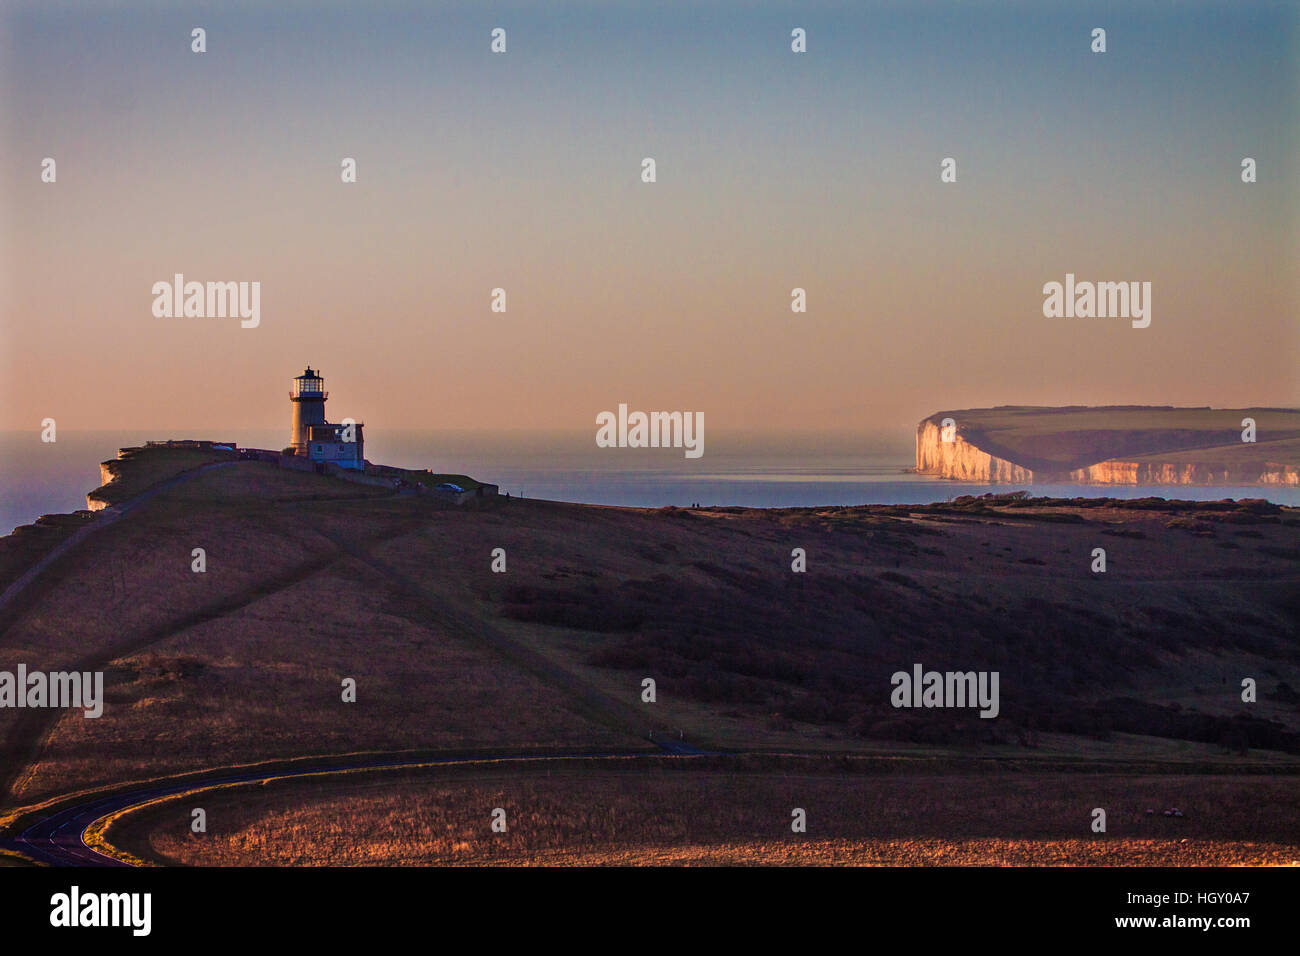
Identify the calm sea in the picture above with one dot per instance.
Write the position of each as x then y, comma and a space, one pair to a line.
783, 471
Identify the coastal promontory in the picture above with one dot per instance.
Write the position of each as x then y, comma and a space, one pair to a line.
1112, 445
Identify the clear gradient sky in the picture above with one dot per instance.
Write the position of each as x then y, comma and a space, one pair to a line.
521, 170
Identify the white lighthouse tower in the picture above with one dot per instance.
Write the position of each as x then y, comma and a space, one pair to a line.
308, 397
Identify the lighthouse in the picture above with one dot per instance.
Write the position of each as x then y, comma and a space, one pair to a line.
308, 397
312, 437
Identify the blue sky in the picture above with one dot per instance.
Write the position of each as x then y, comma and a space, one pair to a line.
520, 171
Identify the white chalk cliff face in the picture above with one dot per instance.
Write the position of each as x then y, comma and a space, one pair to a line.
107, 475
1182, 473
962, 461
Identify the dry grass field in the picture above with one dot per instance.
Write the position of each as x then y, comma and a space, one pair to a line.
310, 581
684, 816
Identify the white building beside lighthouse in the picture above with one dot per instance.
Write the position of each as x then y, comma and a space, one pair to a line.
315, 438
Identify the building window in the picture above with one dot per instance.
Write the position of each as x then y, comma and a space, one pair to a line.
318, 447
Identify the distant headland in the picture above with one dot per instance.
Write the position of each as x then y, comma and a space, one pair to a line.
1112, 445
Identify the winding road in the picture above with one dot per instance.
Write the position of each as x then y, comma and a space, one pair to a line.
59, 838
